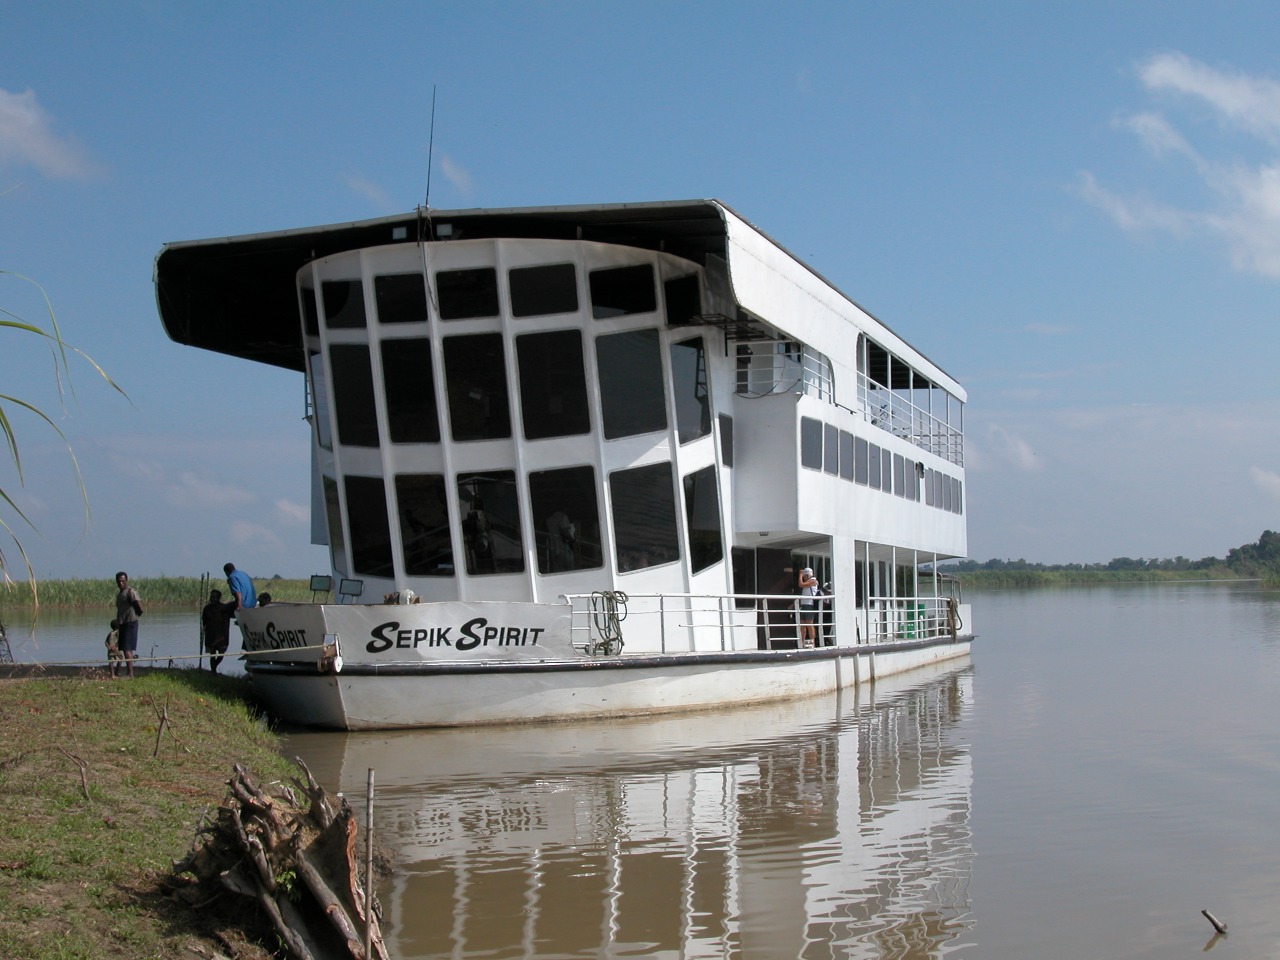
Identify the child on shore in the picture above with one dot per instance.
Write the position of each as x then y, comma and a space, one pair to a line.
113, 647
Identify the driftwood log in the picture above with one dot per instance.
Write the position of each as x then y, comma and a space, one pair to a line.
295, 857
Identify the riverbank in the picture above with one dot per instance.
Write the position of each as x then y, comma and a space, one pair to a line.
99, 801
155, 591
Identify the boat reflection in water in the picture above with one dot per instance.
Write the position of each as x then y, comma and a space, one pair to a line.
830, 826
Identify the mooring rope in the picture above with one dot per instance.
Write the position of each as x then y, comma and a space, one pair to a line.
608, 610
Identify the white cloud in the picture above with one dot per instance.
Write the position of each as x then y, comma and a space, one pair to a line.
1013, 450
27, 139
291, 512
455, 174
1266, 481
187, 489
1244, 209
370, 191
246, 534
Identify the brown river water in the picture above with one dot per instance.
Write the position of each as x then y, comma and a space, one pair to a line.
1105, 766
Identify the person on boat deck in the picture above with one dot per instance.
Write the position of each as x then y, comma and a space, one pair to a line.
809, 592
128, 609
241, 587
216, 618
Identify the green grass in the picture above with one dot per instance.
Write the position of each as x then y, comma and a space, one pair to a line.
96, 814
155, 591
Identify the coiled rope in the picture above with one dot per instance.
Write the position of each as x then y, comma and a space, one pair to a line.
608, 610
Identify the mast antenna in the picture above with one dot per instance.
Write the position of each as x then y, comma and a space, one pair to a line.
431, 142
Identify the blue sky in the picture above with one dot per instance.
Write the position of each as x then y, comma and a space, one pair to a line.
1073, 207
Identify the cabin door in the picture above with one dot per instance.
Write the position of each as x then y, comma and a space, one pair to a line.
776, 576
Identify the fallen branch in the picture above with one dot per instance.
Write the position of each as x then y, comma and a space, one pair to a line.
84, 780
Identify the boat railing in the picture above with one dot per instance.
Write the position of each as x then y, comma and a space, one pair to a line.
607, 622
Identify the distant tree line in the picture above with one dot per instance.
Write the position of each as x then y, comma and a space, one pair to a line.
1260, 559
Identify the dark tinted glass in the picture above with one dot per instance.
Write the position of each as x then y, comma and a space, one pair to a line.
353, 394
369, 529
343, 304
631, 398
310, 313
553, 387
811, 443
726, 439
702, 512
467, 293
830, 449
644, 517
401, 297
424, 524
619, 291
846, 455
860, 458
333, 519
566, 521
689, 383
873, 464
490, 512
683, 299
411, 398
538, 291
476, 375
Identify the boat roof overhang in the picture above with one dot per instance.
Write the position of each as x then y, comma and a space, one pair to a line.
238, 296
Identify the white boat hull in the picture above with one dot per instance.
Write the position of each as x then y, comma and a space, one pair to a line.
355, 694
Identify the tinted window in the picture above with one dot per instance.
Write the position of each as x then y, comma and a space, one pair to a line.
886, 470
619, 291
424, 524
370, 531
476, 375
553, 387
566, 521
490, 512
631, 383
320, 401
411, 399
928, 488
333, 519
343, 304
846, 455
644, 517
467, 293
873, 462
726, 439
899, 475
542, 290
401, 297
702, 512
689, 383
860, 466
310, 313
830, 449
683, 299
811, 443
353, 394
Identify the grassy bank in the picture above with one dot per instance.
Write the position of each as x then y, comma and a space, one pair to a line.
95, 813
154, 591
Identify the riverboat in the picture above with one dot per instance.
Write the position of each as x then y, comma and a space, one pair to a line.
569, 461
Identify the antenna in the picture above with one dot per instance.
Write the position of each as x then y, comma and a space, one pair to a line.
431, 142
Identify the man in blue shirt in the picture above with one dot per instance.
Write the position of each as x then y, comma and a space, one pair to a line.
241, 586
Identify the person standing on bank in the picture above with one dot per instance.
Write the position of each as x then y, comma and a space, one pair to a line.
216, 618
241, 587
809, 593
128, 610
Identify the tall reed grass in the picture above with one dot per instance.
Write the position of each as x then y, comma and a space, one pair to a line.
155, 591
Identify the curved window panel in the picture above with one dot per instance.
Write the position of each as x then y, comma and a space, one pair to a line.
566, 521
467, 293
310, 313
619, 291
644, 517
543, 290
410, 392
421, 501
333, 520
553, 387
368, 526
353, 394
490, 512
401, 298
631, 400
320, 400
476, 376
702, 513
343, 304
689, 383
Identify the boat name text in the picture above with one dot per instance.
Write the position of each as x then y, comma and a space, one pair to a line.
474, 633
272, 638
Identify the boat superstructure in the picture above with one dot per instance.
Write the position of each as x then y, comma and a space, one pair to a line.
593, 441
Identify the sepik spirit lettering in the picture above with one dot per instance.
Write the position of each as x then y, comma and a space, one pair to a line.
273, 638
472, 634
